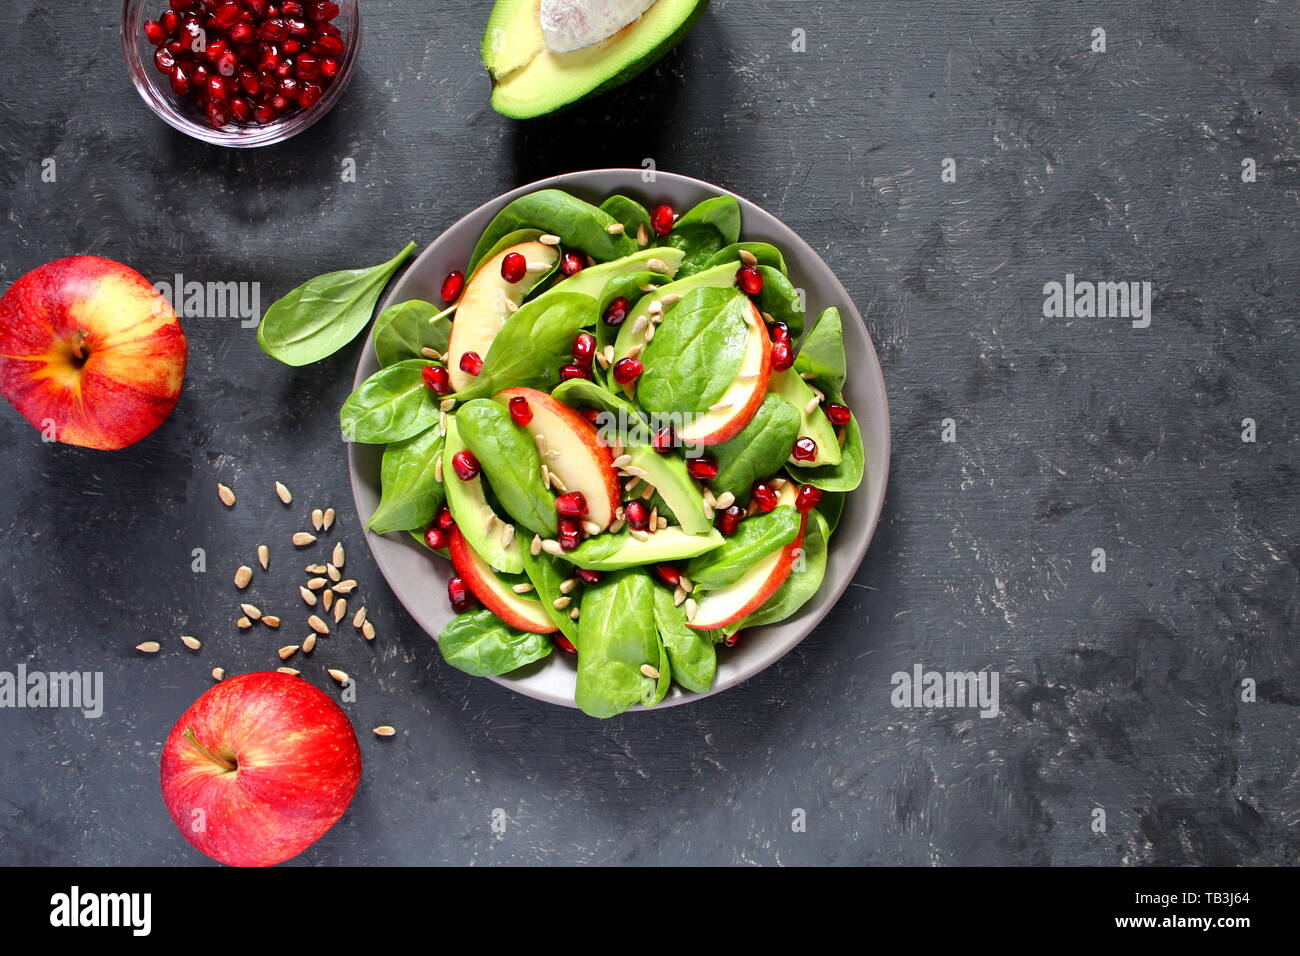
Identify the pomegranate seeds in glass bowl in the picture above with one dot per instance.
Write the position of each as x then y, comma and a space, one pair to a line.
240, 73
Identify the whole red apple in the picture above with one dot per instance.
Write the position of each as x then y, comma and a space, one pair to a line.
259, 768
90, 353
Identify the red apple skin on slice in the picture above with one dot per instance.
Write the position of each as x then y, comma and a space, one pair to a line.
482, 310
515, 609
273, 764
585, 463
728, 605
713, 428
90, 352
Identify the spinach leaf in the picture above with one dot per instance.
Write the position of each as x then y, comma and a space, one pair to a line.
532, 345
480, 643
403, 329
695, 353
765, 253
325, 313
578, 223
755, 538
390, 405
410, 492
822, 352
760, 449
581, 393
780, 300
510, 463
845, 476
630, 213
546, 573
804, 580
616, 637
832, 507
692, 656
703, 231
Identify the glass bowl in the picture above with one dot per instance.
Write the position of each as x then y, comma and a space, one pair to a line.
184, 115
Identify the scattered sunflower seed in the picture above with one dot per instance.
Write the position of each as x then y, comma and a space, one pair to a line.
334, 573
193, 643
431, 353
568, 584
368, 630
340, 676
270, 620
243, 576
264, 556
327, 599
560, 603
640, 535
243, 624
292, 672
360, 617
317, 518
283, 492
748, 258
218, 673
309, 644
812, 405
287, 651
547, 239
345, 587
328, 521
551, 546
384, 731
149, 647
671, 299
226, 495
340, 610
317, 625
622, 461
536, 547
301, 539
523, 587
650, 672
724, 501
573, 613
316, 583
615, 229
315, 569
307, 596
690, 609
250, 610
679, 595
642, 236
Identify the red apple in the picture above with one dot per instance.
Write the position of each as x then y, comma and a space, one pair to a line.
90, 352
259, 768
520, 611
743, 396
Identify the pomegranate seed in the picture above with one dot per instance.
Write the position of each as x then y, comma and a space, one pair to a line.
570, 533
284, 68
729, 519
662, 219
170, 22
443, 518
452, 286
199, 77
749, 279
805, 449
227, 63
571, 263
564, 644
298, 28
180, 82
163, 60
435, 376
280, 102
257, 8
217, 114
663, 441
181, 4
308, 67
588, 577
703, 468
226, 15
513, 267
309, 95
242, 33
240, 109
838, 414
808, 498
520, 410
154, 32
216, 88
465, 465
330, 67
574, 371
571, 503
764, 496
731, 640
248, 80
263, 115
323, 12
437, 538
215, 49
470, 363
637, 515
292, 8
627, 370
668, 574
782, 357
274, 30
330, 45
616, 311
458, 594
584, 348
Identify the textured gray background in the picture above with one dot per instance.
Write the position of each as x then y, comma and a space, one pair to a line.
1119, 690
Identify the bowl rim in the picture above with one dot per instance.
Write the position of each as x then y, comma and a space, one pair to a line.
160, 103
801, 624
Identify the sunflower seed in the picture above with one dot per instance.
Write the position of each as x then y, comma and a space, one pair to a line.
507, 534
512, 306
193, 643
301, 539
317, 518
218, 673
767, 317
226, 495
724, 501
317, 625
149, 647
546, 476
345, 587
368, 630
642, 235
340, 610
748, 258
650, 332
776, 484
812, 405
622, 461
243, 576
264, 556
679, 595
657, 265
315, 569
648, 287
328, 521
647, 492
340, 676
551, 546
631, 485
547, 239
283, 492
573, 613
560, 603
338, 554
617, 526
384, 731
691, 608
309, 644
447, 405
663, 522
287, 651
307, 596
437, 469
640, 535
609, 354
639, 325
536, 547
523, 587
656, 307
333, 573
635, 352
568, 584
654, 518
327, 599
650, 672
708, 497
360, 617
540, 441
442, 422
615, 229
539, 266
316, 583
685, 583
635, 472
243, 624
292, 672
431, 353
250, 610
270, 620
591, 527
671, 299
558, 485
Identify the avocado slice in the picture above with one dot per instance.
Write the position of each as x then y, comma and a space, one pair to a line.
543, 55
667, 473
469, 506
815, 425
592, 280
613, 552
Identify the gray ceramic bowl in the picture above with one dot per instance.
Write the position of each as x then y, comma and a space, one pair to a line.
419, 578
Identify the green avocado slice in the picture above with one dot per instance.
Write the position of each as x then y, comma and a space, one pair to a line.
469, 506
592, 280
813, 424
613, 552
668, 474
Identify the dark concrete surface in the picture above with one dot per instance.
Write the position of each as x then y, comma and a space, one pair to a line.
1120, 691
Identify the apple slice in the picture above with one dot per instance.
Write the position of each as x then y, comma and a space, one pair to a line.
726, 606
572, 451
486, 303
519, 611
740, 401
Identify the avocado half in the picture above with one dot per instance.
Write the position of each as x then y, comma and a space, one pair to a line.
529, 78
